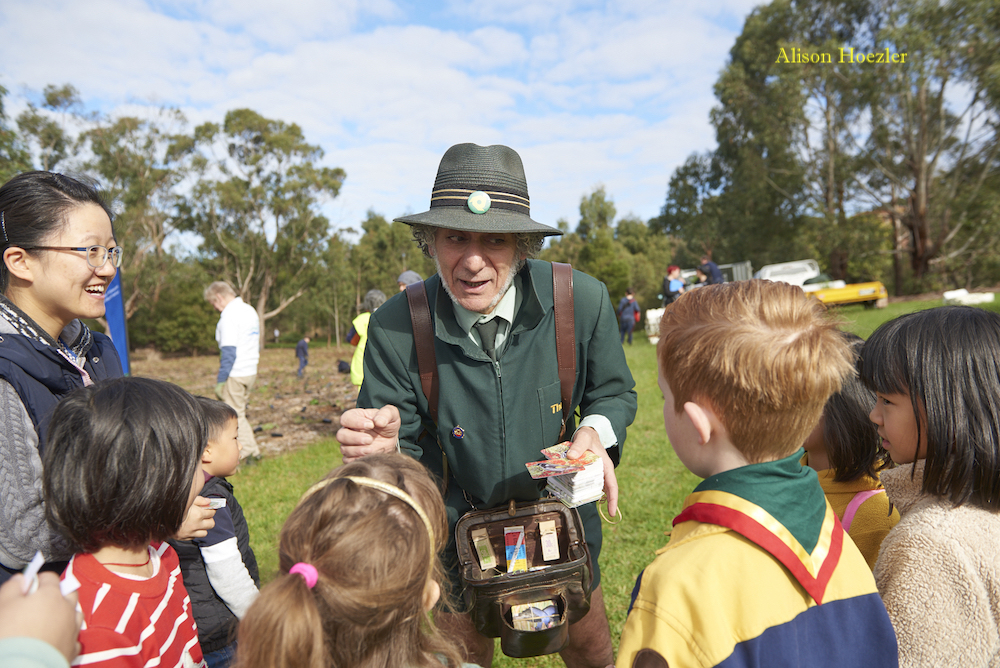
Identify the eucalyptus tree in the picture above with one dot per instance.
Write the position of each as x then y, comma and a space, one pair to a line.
757, 168
593, 248
856, 121
141, 170
256, 203
649, 256
45, 130
384, 251
13, 156
597, 212
565, 248
936, 124
692, 212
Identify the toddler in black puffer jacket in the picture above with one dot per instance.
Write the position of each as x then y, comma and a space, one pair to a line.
220, 570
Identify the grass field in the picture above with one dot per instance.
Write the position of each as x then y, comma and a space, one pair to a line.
653, 483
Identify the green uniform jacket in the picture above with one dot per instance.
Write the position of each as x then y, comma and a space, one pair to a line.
506, 412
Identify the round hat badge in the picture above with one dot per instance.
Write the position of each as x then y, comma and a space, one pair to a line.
479, 202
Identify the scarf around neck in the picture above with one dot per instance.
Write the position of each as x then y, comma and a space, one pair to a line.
24, 325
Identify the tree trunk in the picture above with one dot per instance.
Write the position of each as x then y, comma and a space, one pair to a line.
336, 314
265, 291
897, 252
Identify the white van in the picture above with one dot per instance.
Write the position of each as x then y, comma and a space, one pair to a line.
796, 273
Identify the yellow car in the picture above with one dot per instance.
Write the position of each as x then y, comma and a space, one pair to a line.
872, 294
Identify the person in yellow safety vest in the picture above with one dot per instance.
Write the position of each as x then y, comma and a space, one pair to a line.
358, 335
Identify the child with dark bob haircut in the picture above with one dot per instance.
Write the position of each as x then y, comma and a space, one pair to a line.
846, 451
121, 468
936, 376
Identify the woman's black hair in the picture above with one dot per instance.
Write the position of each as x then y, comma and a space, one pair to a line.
948, 360
34, 207
119, 462
851, 438
217, 415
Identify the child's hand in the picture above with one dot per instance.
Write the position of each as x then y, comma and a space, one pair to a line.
586, 438
45, 614
198, 520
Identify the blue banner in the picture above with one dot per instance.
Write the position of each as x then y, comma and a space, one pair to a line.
114, 313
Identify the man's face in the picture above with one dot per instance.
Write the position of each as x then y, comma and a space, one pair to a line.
476, 267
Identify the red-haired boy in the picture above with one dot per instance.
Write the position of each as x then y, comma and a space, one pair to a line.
758, 571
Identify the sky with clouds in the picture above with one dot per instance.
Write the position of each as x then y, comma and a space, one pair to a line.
588, 92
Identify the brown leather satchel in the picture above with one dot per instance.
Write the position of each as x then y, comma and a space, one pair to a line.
490, 595
568, 580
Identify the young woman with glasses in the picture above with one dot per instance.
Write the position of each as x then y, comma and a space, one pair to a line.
59, 257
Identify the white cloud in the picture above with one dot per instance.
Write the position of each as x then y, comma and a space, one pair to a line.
588, 92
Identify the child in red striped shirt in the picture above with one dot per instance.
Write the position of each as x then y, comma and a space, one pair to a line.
121, 469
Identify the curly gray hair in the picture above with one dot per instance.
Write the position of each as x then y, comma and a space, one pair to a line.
528, 244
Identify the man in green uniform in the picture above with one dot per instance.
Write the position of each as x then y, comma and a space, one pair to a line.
499, 397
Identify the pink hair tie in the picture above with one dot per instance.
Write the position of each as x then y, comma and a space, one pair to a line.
307, 571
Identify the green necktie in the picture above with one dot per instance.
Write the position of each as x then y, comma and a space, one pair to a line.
488, 335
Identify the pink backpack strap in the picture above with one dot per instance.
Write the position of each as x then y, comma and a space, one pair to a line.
855, 503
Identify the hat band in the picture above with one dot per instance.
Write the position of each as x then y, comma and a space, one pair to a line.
498, 200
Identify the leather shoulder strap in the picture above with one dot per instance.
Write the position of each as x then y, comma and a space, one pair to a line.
423, 339
562, 295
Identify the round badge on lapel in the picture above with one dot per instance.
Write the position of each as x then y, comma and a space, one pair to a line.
479, 202
458, 432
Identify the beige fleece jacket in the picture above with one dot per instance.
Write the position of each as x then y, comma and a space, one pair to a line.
938, 572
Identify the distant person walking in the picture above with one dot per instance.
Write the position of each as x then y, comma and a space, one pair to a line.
711, 270
628, 315
358, 336
238, 336
406, 278
302, 352
673, 285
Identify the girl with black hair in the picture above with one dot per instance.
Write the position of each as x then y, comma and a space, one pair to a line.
122, 466
846, 452
936, 376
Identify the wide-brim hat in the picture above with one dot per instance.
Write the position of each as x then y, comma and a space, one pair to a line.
480, 189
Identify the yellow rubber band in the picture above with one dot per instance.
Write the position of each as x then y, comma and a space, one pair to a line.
617, 519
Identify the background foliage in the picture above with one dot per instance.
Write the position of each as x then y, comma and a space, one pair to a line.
880, 171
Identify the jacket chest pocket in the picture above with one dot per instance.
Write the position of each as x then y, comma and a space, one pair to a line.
550, 413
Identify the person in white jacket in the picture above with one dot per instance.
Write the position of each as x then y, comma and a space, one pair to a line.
238, 336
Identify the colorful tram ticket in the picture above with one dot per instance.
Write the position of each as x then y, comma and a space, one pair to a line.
517, 555
550, 467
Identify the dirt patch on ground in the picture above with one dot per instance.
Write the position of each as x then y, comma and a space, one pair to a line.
290, 412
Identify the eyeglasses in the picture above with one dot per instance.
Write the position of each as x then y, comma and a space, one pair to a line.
96, 255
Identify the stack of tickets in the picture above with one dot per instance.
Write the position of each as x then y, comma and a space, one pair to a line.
575, 488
